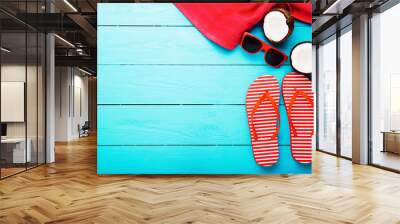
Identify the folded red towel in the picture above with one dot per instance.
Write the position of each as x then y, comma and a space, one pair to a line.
224, 23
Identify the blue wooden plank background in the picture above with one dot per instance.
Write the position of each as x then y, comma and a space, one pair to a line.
171, 84
178, 125
171, 101
179, 160
155, 45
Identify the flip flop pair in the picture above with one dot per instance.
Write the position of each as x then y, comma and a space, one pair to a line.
262, 106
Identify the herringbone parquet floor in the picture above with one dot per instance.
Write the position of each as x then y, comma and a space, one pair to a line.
69, 191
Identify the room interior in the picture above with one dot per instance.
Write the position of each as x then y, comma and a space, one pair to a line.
22, 102
49, 139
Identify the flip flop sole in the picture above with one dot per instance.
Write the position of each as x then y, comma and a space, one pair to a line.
263, 119
299, 102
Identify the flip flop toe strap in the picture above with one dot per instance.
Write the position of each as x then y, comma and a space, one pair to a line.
265, 96
291, 104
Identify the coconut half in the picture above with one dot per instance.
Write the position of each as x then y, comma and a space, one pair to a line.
301, 58
278, 25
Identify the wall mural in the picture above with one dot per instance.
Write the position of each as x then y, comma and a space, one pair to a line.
205, 88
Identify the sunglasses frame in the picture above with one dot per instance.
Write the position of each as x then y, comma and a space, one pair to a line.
265, 47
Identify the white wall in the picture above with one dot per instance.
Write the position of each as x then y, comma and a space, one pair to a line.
62, 82
80, 110
17, 73
71, 102
9, 73
33, 127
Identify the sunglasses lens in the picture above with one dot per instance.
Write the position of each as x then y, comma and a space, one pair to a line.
274, 58
251, 44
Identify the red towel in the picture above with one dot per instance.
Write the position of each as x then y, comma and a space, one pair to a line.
224, 23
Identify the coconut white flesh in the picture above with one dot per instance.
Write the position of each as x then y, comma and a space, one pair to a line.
275, 27
301, 58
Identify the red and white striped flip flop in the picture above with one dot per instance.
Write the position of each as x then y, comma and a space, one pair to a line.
299, 102
262, 106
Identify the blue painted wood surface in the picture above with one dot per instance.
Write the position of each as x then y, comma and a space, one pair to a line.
176, 84
178, 125
180, 160
176, 45
140, 14
171, 101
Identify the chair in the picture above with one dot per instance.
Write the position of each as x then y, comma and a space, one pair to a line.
84, 130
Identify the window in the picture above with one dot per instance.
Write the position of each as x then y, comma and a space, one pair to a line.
385, 89
346, 92
327, 96
22, 77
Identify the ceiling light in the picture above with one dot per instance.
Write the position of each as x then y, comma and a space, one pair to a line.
65, 41
331, 7
84, 71
70, 5
79, 51
337, 7
5, 50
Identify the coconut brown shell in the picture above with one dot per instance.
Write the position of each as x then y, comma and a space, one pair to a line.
289, 22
